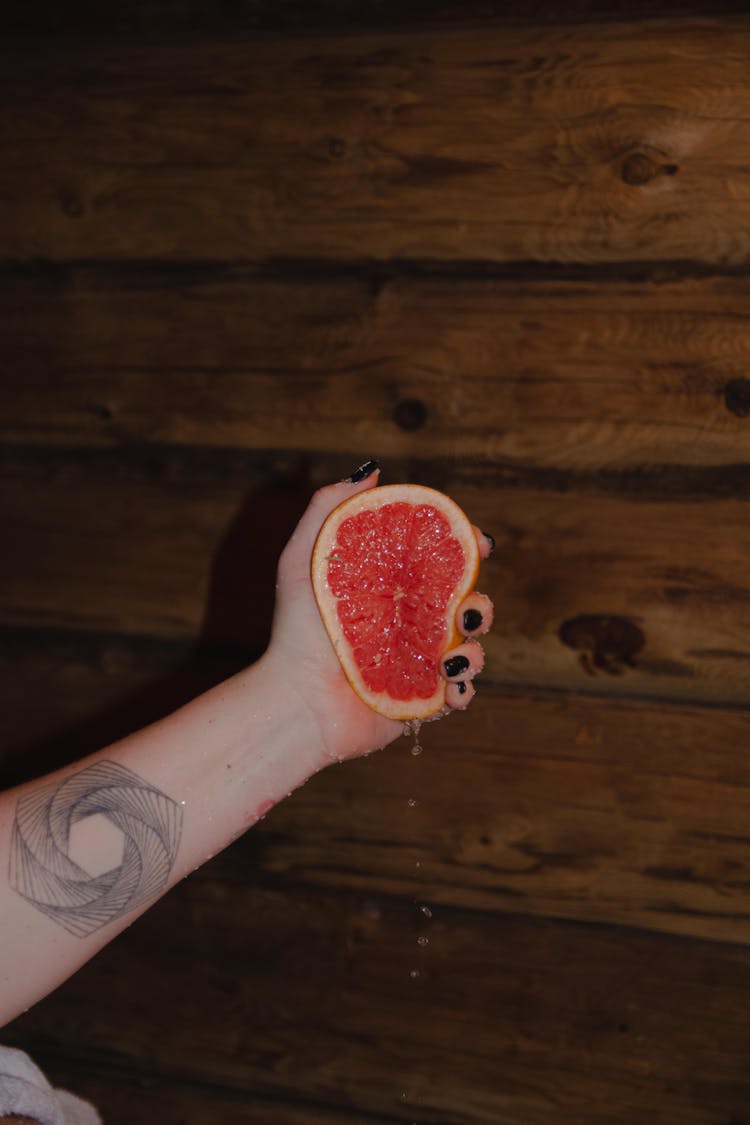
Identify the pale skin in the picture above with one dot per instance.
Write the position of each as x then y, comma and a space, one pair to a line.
197, 779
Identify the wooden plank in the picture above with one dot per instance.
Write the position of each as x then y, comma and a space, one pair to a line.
135, 1094
509, 1020
67, 695
576, 143
567, 807
602, 593
130, 512
550, 805
202, 17
567, 375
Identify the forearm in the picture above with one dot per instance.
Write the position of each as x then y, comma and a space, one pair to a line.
93, 845
86, 850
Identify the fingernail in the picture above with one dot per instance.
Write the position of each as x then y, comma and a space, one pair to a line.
490, 539
472, 620
455, 665
363, 471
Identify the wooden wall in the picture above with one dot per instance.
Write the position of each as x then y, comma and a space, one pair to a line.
242, 248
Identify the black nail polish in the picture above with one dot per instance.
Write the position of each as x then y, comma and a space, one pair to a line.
455, 665
363, 471
491, 539
472, 620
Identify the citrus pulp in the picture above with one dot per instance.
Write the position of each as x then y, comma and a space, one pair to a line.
390, 567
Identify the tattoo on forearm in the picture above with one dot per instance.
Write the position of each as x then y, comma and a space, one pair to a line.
42, 870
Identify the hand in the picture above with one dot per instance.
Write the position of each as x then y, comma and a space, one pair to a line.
304, 657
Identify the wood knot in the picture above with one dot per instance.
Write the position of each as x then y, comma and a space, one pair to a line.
640, 168
737, 397
410, 414
70, 204
606, 644
337, 148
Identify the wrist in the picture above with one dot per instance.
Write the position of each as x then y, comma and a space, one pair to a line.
232, 754
337, 725
295, 707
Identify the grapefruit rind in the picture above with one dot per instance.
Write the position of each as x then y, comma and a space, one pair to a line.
373, 500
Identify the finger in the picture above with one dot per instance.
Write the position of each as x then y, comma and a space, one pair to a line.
459, 696
485, 542
322, 504
331, 495
462, 663
475, 615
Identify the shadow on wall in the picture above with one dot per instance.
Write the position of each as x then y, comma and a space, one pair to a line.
235, 630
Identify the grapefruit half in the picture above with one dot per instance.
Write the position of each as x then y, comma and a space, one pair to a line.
390, 567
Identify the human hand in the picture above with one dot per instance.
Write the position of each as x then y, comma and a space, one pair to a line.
304, 657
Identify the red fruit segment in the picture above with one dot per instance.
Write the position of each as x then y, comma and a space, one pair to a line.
390, 567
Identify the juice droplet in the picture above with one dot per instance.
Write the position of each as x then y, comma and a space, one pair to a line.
413, 726
414, 974
412, 802
426, 911
422, 940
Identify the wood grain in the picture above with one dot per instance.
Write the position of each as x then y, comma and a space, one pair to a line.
509, 1020
131, 1094
81, 18
620, 596
65, 695
577, 375
536, 803
577, 143
558, 807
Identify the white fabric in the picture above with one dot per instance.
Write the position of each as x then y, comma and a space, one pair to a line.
25, 1091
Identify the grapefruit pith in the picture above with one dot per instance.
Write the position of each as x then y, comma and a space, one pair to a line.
390, 567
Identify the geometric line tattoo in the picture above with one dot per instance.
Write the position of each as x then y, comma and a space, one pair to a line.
42, 871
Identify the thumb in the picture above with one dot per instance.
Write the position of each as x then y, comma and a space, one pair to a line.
295, 560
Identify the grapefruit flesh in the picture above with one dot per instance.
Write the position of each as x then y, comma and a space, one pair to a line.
390, 567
